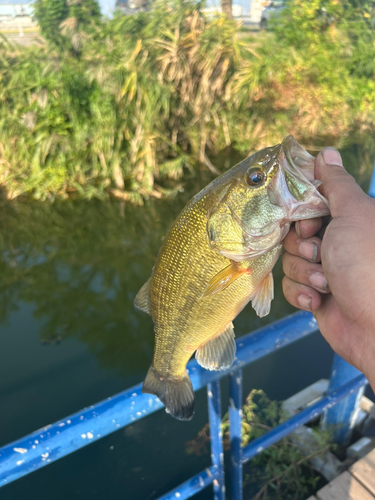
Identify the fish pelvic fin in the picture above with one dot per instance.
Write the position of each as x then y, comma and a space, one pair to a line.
262, 298
142, 299
176, 393
219, 352
224, 278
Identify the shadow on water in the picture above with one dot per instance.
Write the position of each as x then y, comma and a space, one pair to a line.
73, 270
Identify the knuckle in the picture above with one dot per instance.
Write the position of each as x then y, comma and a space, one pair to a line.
293, 268
285, 285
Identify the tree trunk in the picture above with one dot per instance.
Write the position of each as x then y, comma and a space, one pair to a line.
226, 7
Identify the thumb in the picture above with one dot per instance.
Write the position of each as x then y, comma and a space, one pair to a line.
339, 187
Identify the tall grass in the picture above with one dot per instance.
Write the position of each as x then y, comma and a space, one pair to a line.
148, 96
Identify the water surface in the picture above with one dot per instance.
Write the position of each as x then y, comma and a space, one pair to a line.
70, 336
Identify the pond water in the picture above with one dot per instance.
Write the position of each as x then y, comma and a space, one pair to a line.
70, 336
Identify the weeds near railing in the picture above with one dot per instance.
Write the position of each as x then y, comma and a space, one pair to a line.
282, 471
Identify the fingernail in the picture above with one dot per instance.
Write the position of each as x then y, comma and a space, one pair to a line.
318, 280
297, 229
332, 157
308, 250
304, 301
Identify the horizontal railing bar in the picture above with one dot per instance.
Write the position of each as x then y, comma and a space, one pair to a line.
258, 344
84, 427
191, 487
282, 430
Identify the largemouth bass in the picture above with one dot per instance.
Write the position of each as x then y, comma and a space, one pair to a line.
217, 256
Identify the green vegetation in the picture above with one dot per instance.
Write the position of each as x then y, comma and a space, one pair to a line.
59, 20
125, 107
281, 472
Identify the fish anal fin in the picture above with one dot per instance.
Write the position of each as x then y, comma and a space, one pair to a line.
142, 299
263, 296
176, 393
219, 352
224, 278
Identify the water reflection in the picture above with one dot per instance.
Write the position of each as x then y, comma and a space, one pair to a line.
81, 264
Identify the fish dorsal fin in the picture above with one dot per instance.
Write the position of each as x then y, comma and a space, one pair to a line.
262, 298
219, 352
223, 279
142, 299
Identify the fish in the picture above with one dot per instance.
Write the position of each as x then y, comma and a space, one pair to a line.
216, 257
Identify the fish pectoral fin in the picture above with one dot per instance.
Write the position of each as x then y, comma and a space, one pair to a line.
176, 393
142, 299
219, 352
223, 279
262, 298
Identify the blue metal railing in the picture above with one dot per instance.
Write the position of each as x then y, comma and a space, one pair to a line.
76, 431
72, 433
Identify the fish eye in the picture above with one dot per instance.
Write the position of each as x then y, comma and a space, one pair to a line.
255, 177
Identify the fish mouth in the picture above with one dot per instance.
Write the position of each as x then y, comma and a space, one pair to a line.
299, 159
294, 186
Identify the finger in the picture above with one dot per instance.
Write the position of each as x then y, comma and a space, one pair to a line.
339, 187
301, 296
308, 249
305, 272
308, 227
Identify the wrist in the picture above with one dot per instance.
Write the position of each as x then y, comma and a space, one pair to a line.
371, 379
369, 367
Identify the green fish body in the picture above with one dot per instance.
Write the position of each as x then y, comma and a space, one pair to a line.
217, 256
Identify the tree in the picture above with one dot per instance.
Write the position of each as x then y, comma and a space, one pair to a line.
50, 15
226, 7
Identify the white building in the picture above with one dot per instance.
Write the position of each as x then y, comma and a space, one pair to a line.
256, 9
15, 8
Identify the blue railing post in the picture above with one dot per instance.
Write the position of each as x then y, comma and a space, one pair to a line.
216, 434
343, 415
235, 420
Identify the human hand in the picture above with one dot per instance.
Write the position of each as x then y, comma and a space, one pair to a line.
334, 277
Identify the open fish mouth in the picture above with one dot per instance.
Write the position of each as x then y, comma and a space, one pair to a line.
299, 159
242, 228
294, 187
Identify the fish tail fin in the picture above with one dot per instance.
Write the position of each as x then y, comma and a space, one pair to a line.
176, 393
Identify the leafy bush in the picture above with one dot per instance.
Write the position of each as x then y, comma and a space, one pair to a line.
125, 106
56, 18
